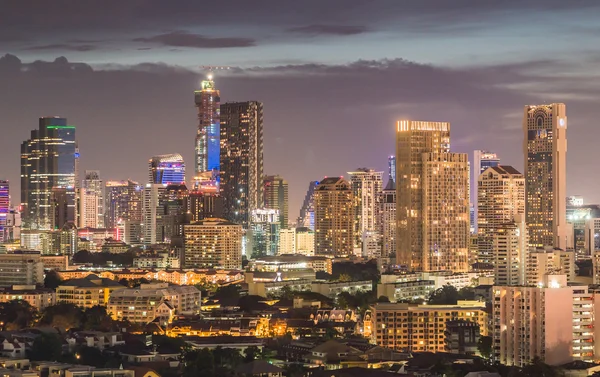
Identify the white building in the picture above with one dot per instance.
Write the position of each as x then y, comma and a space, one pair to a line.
91, 201
549, 261
152, 213
511, 253
287, 241
366, 185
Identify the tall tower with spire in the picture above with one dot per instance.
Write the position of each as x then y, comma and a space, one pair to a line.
207, 143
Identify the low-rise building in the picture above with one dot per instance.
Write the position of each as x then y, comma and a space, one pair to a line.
406, 290
333, 288
86, 292
421, 328
21, 268
39, 298
291, 262
114, 246
158, 261
462, 337
152, 301
55, 262
273, 288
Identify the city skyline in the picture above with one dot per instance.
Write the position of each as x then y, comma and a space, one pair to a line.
464, 87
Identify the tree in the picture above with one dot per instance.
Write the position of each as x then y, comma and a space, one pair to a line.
484, 345
90, 356
383, 299
52, 279
447, 295
97, 318
47, 347
537, 368
344, 278
16, 314
63, 315
228, 291
251, 353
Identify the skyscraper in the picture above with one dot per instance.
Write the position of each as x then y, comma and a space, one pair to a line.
413, 140
241, 159
545, 150
48, 160
307, 211
275, 194
207, 144
387, 213
501, 193
91, 201
211, 243
264, 231
366, 185
392, 168
511, 252
481, 161
153, 213
123, 209
334, 217
4, 209
167, 168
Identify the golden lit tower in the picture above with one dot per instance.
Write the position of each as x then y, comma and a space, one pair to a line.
545, 150
334, 217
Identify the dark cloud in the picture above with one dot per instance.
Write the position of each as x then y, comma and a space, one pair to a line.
63, 47
329, 29
186, 39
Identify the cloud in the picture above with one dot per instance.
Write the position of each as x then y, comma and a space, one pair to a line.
63, 47
329, 29
186, 39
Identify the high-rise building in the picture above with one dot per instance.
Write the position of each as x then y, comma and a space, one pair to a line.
305, 241
49, 160
387, 213
501, 197
334, 217
510, 250
366, 185
91, 201
481, 161
545, 150
264, 231
203, 205
153, 213
4, 209
287, 241
166, 169
207, 145
392, 168
241, 159
445, 212
275, 196
123, 209
173, 204
307, 211
413, 140
213, 243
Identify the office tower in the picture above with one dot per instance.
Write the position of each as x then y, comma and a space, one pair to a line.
552, 321
413, 140
307, 211
334, 217
264, 231
275, 195
123, 207
211, 243
153, 213
545, 150
578, 215
165, 169
116, 200
91, 201
501, 197
366, 185
4, 209
59, 205
241, 159
21, 268
207, 145
387, 213
445, 212
203, 205
48, 160
482, 160
510, 251
287, 241
173, 203
392, 168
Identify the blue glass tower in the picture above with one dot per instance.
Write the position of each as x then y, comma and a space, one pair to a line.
166, 169
208, 134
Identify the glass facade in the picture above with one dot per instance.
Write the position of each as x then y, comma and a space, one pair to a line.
208, 134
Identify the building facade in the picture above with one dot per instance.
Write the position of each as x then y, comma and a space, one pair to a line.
334, 217
153, 213
21, 268
482, 160
91, 201
387, 213
241, 159
366, 185
307, 211
166, 169
207, 143
511, 253
49, 161
545, 150
264, 231
501, 197
213, 243
275, 194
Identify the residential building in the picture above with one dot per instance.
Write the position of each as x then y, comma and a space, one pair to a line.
207, 143
124, 209
287, 241
462, 337
213, 243
159, 261
49, 161
151, 301
305, 241
334, 217
275, 194
153, 213
241, 159
21, 268
366, 185
549, 261
421, 328
501, 197
545, 150
387, 213
166, 169
4, 210
86, 292
91, 201
482, 160
204, 205
264, 231
406, 290
511, 252
39, 298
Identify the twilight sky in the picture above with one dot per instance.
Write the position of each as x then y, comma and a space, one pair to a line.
334, 77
